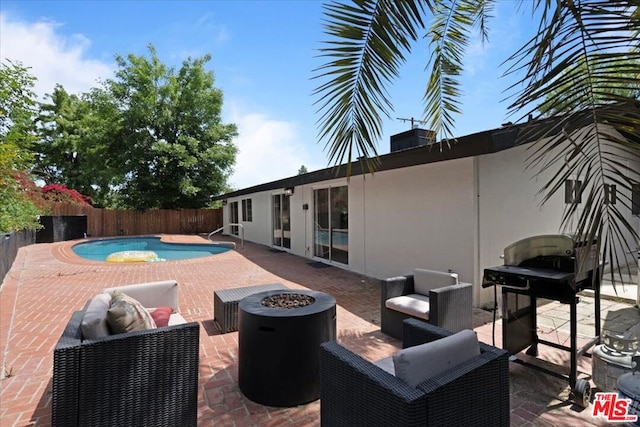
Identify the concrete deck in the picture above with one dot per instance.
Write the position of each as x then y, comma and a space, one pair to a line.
48, 282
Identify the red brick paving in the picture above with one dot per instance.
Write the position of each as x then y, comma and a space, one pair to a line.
48, 282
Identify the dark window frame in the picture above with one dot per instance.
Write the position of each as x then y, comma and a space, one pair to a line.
610, 194
247, 210
573, 191
233, 217
635, 199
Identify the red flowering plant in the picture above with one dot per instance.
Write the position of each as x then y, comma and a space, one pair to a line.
62, 194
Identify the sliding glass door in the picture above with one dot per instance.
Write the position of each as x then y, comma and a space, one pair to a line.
281, 221
331, 224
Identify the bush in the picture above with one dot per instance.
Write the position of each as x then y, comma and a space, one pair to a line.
22, 202
17, 212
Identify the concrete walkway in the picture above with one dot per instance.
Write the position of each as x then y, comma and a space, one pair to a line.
48, 282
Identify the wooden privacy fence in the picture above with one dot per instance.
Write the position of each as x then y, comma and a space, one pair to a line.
115, 222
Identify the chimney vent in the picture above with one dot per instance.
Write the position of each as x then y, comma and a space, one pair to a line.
412, 138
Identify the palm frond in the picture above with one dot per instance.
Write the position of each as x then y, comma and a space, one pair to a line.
448, 38
367, 43
582, 68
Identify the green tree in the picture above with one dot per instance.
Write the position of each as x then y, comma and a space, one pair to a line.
17, 105
17, 101
566, 96
175, 149
368, 41
302, 170
152, 137
62, 141
77, 134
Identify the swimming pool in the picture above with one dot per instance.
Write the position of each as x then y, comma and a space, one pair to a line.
99, 250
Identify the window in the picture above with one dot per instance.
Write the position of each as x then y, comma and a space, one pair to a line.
635, 199
572, 191
247, 212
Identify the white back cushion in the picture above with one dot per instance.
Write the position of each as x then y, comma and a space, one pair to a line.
152, 294
425, 280
416, 364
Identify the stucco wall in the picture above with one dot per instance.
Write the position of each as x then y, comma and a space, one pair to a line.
509, 209
259, 229
421, 216
454, 215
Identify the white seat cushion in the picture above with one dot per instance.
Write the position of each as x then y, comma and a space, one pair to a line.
176, 319
416, 305
416, 364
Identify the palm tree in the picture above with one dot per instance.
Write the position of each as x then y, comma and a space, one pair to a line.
587, 49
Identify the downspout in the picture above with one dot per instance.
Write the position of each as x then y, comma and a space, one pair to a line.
364, 225
638, 277
306, 232
476, 238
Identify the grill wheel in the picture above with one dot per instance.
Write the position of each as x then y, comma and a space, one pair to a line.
582, 393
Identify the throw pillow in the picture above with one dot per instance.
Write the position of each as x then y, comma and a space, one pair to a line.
94, 321
416, 364
126, 314
161, 316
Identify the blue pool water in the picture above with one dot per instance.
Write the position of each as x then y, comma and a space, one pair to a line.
99, 250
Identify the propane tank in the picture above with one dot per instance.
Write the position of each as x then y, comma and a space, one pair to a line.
629, 388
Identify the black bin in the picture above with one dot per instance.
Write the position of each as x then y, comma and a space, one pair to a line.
59, 228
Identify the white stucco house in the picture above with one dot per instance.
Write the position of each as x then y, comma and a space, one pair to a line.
452, 209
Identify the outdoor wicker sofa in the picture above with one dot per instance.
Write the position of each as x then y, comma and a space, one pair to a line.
433, 296
356, 392
139, 378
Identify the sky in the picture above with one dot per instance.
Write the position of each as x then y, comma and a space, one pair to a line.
263, 56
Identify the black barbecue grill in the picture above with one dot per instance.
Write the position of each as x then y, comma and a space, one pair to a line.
552, 267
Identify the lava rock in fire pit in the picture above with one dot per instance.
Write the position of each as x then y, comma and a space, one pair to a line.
287, 301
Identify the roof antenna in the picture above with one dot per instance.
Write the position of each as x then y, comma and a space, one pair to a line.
414, 122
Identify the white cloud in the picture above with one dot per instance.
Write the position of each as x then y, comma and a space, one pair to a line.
208, 22
268, 150
52, 56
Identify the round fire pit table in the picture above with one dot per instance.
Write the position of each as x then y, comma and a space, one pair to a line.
279, 337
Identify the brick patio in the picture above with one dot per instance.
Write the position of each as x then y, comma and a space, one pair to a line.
48, 282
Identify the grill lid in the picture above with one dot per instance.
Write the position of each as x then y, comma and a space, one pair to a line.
538, 246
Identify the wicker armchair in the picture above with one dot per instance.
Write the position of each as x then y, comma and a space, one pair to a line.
355, 392
137, 378
438, 296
